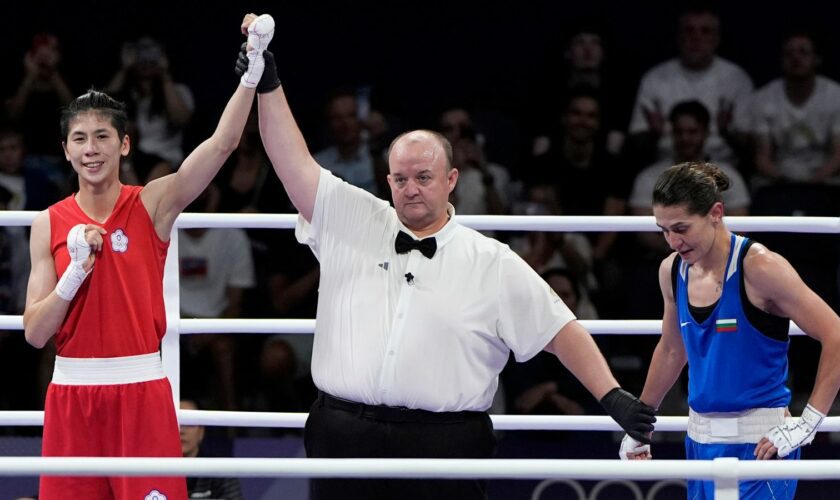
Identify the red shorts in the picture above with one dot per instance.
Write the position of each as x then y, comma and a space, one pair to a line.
122, 420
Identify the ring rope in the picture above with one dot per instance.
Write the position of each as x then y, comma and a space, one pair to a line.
579, 223
307, 326
642, 470
500, 422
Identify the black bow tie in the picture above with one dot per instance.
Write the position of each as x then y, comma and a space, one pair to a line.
405, 243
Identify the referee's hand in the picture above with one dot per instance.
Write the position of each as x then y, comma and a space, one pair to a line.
635, 417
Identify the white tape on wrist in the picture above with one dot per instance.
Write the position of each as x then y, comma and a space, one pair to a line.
256, 65
71, 281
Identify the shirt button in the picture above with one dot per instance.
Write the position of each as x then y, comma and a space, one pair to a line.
391, 353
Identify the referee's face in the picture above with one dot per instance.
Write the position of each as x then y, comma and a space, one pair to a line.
420, 182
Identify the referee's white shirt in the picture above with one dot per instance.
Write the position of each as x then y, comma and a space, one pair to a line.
437, 343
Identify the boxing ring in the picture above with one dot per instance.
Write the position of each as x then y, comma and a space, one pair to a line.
725, 472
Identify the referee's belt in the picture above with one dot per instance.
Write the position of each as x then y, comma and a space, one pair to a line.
397, 413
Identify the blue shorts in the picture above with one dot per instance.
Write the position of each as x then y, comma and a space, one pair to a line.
776, 489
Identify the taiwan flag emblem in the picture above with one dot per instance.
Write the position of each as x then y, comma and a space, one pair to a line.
726, 325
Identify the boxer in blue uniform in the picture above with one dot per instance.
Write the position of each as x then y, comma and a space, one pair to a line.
728, 306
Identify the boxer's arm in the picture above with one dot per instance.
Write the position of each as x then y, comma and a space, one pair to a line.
44, 309
167, 197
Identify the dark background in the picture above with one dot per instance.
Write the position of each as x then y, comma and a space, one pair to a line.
418, 56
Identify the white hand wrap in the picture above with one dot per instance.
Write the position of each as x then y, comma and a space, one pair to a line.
260, 33
630, 445
795, 433
74, 275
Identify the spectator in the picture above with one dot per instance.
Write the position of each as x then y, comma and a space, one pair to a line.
698, 73
35, 105
483, 187
796, 119
215, 488
689, 123
348, 157
216, 268
30, 189
583, 64
158, 107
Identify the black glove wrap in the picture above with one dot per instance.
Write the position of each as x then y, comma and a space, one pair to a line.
269, 80
635, 417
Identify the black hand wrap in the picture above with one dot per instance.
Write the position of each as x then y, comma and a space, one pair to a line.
269, 80
241, 61
635, 417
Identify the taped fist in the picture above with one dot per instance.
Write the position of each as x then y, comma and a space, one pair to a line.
269, 80
79, 246
796, 433
260, 31
633, 450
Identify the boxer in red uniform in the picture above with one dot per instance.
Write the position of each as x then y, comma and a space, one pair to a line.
96, 285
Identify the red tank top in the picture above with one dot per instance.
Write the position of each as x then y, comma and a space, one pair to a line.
119, 309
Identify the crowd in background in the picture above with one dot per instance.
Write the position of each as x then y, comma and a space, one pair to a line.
593, 145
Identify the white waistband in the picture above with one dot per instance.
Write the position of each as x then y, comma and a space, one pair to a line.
741, 427
107, 371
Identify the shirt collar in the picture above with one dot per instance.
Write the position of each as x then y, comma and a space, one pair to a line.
444, 234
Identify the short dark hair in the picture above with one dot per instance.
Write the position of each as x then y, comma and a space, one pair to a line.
694, 109
97, 102
582, 92
697, 185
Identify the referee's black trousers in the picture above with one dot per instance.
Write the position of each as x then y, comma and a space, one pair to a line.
343, 429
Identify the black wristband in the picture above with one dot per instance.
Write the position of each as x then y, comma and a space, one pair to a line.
635, 417
269, 80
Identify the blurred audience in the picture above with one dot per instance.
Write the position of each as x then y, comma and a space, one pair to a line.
697, 73
216, 268
483, 188
349, 156
796, 119
158, 107
34, 107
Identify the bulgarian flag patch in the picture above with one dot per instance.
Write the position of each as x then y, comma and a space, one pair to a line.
726, 325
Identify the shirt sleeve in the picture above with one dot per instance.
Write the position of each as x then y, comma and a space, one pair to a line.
343, 215
531, 313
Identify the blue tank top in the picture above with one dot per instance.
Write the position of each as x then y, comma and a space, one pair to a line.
732, 366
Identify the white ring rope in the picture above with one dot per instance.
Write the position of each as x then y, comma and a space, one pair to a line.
500, 422
307, 326
581, 223
538, 222
640, 470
